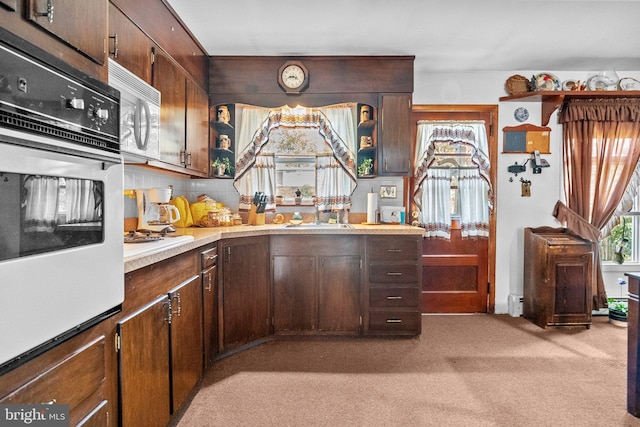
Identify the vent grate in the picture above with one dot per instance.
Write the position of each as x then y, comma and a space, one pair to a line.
29, 124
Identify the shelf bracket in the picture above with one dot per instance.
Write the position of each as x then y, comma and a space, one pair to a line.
550, 103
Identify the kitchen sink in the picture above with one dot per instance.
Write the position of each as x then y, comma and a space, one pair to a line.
318, 226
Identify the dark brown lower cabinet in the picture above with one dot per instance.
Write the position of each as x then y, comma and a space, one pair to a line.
394, 284
209, 275
244, 291
46, 379
317, 284
160, 355
558, 277
143, 365
186, 341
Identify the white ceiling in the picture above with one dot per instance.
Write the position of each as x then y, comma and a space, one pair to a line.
444, 35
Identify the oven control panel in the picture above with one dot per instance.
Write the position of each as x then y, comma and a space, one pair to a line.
38, 98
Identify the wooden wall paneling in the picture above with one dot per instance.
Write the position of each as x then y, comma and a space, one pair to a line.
332, 74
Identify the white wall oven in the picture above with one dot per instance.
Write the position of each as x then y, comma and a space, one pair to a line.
61, 181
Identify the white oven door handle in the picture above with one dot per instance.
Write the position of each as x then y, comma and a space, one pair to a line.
137, 125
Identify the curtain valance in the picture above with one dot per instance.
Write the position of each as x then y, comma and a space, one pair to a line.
600, 110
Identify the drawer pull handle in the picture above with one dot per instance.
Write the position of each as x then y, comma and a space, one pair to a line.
394, 250
394, 320
48, 13
394, 297
51, 402
394, 273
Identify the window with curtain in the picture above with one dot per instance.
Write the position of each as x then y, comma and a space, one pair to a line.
600, 153
452, 177
264, 133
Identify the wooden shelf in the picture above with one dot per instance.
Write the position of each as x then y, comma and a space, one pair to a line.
552, 100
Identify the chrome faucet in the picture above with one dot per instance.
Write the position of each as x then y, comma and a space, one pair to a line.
317, 213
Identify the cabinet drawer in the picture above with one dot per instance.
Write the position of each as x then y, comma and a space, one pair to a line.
392, 248
394, 320
72, 381
208, 257
393, 297
393, 273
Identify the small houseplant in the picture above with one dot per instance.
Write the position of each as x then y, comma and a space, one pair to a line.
365, 167
222, 166
618, 312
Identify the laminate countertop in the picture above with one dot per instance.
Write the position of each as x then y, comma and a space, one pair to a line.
203, 236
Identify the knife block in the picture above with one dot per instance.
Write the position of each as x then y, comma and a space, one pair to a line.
255, 218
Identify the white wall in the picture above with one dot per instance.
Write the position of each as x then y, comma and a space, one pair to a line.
514, 212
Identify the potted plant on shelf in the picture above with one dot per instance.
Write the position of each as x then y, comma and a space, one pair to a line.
222, 166
618, 312
365, 167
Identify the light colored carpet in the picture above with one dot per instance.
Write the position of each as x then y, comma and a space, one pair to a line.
473, 370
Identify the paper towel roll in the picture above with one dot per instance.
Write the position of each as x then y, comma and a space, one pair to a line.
372, 207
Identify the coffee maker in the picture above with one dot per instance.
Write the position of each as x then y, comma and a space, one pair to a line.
154, 211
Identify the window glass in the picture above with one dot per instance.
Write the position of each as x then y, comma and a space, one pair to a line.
295, 173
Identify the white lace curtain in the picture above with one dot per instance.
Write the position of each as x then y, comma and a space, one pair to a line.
432, 188
336, 175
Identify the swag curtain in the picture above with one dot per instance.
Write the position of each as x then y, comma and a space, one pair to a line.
601, 147
463, 137
335, 123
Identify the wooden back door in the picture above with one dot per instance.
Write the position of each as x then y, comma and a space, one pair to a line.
458, 275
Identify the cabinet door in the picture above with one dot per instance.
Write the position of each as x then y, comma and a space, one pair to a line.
170, 81
339, 293
210, 309
129, 45
197, 128
294, 293
571, 299
74, 377
245, 291
186, 339
395, 143
143, 366
80, 24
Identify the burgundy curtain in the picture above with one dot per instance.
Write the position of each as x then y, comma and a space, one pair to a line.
601, 147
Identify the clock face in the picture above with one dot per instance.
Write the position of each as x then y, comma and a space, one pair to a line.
293, 76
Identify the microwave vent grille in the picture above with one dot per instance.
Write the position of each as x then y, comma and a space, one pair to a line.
123, 79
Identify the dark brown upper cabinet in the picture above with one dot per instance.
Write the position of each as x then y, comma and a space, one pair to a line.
80, 24
129, 45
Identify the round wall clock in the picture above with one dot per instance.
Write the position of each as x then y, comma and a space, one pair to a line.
293, 77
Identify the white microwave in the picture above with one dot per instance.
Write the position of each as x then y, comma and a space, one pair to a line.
139, 115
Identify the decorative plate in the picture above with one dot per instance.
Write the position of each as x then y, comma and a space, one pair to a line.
545, 81
598, 82
521, 114
627, 83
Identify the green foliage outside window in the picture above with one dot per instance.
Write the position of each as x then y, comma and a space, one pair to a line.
617, 246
